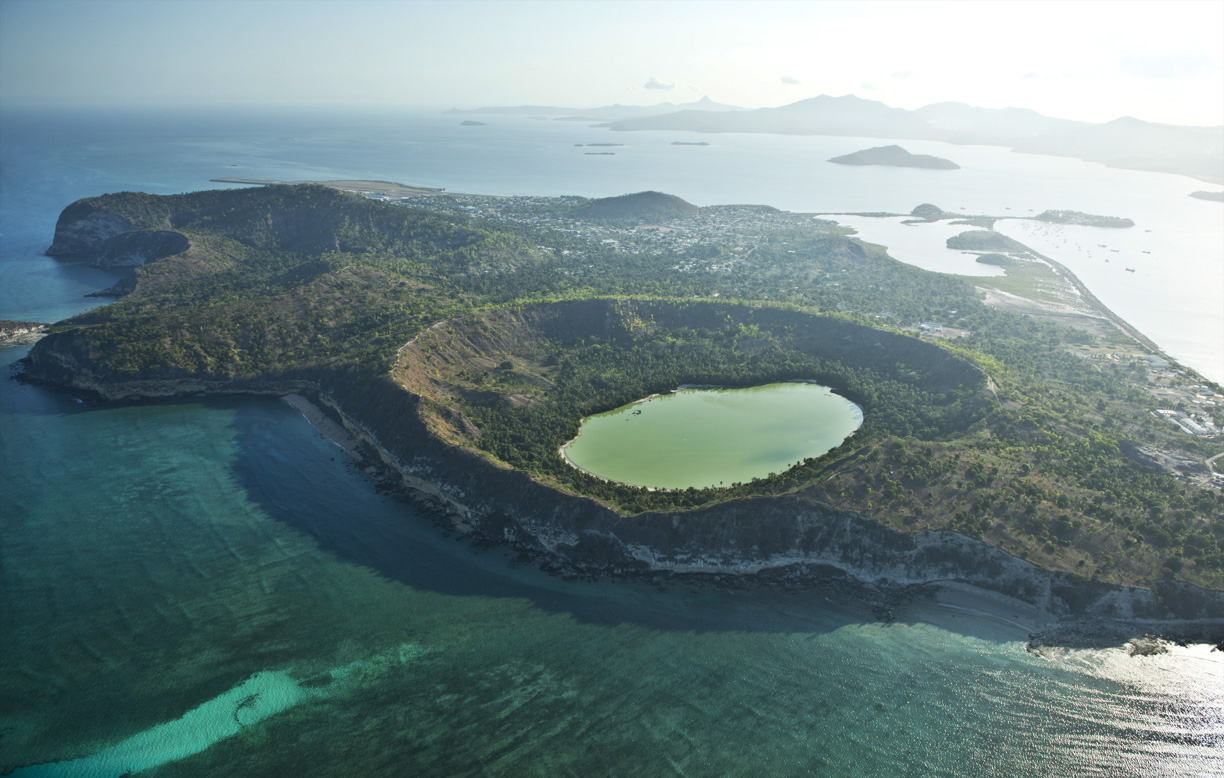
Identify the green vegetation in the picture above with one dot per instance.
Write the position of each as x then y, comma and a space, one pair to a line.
643, 206
570, 360
1029, 278
985, 240
1014, 432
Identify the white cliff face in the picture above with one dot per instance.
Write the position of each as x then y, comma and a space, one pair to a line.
83, 229
109, 239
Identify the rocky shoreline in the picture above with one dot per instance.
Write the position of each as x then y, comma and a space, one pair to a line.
21, 333
885, 600
1140, 637
885, 572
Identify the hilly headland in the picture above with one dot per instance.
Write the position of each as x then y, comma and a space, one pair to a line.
461, 340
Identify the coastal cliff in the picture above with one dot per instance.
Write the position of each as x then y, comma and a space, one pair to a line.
84, 227
419, 333
89, 229
787, 540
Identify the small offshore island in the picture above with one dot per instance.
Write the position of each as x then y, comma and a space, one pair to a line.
895, 156
1084, 219
460, 341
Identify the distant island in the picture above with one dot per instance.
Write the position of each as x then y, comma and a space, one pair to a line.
1084, 219
895, 156
470, 123
1215, 197
598, 144
689, 143
931, 212
1127, 143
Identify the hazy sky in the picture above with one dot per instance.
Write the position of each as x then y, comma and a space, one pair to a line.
1160, 61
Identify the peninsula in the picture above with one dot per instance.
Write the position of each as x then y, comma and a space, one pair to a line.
461, 339
1084, 219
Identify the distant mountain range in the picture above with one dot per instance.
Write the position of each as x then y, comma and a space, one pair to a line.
606, 113
1128, 143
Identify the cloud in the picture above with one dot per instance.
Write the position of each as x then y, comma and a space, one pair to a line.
790, 80
868, 85
654, 83
1167, 65
902, 74
1029, 76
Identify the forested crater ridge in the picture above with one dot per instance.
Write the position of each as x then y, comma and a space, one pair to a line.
516, 382
463, 339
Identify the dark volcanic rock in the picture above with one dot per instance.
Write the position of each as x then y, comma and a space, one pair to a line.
140, 247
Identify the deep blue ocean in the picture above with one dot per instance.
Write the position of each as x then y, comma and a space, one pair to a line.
210, 587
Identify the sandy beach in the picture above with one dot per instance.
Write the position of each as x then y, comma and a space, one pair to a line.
323, 423
968, 599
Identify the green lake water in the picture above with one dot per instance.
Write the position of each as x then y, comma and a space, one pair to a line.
712, 437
